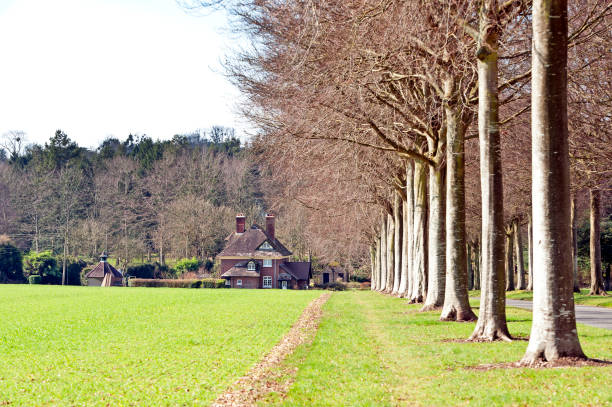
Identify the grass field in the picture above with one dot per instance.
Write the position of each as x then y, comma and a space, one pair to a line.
157, 346
373, 350
136, 346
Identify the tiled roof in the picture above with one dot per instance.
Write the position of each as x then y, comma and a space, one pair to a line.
103, 268
240, 270
300, 270
246, 244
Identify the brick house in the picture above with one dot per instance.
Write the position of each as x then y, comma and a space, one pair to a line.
334, 273
254, 258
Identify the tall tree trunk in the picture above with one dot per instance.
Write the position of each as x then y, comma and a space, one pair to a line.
489, 256
553, 331
397, 243
597, 287
518, 254
476, 265
383, 253
574, 243
530, 250
509, 265
372, 267
390, 252
419, 251
65, 254
456, 302
436, 246
408, 219
378, 263
470, 269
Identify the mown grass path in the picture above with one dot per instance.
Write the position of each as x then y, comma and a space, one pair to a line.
374, 350
136, 346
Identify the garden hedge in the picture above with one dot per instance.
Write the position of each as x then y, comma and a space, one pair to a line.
193, 283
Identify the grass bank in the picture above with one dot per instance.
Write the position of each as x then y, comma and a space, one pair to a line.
582, 298
373, 350
134, 346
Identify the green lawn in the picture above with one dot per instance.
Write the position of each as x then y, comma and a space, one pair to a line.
373, 350
134, 346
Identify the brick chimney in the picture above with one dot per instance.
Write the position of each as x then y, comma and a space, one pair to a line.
240, 223
270, 225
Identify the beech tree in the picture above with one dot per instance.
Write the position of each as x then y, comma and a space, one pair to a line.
553, 331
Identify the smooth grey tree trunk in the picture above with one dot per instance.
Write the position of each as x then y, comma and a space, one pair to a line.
597, 287
390, 253
397, 243
476, 265
383, 253
518, 255
408, 219
373, 267
436, 237
574, 243
509, 264
489, 252
530, 251
378, 263
456, 302
419, 249
553, 331
470, 269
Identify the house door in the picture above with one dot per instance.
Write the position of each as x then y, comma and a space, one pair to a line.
284, 285
325, 278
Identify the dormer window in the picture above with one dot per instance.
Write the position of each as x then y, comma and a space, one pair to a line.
265, 246
251, 266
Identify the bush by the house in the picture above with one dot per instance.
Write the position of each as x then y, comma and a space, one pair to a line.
74, 268
141, 271
335, 286
34, 279
11, 264
191, 283
42, 264
186, 265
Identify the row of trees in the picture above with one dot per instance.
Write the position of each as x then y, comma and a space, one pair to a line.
405, 126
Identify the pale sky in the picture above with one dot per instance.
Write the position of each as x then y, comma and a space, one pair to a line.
96, 68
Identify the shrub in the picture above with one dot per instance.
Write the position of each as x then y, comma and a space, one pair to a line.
74, 269
192, 283
141, 271
335, 286
43, 264
35, 279
185, 265
11, 263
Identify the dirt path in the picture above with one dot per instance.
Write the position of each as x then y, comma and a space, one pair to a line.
266, 377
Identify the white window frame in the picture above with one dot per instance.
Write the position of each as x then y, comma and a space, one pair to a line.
269, 280
228, 282
267, 263
266, 246
239, 282
251, 266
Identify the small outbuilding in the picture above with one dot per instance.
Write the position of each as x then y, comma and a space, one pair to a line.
104, 275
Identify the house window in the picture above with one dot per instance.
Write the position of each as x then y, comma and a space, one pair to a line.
250, 266
265, 246
239, 282
267, 282
227, 282
267, 263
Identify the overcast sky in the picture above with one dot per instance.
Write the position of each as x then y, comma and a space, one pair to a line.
96, 68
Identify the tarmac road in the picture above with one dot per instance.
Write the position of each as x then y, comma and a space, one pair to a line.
594, 316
